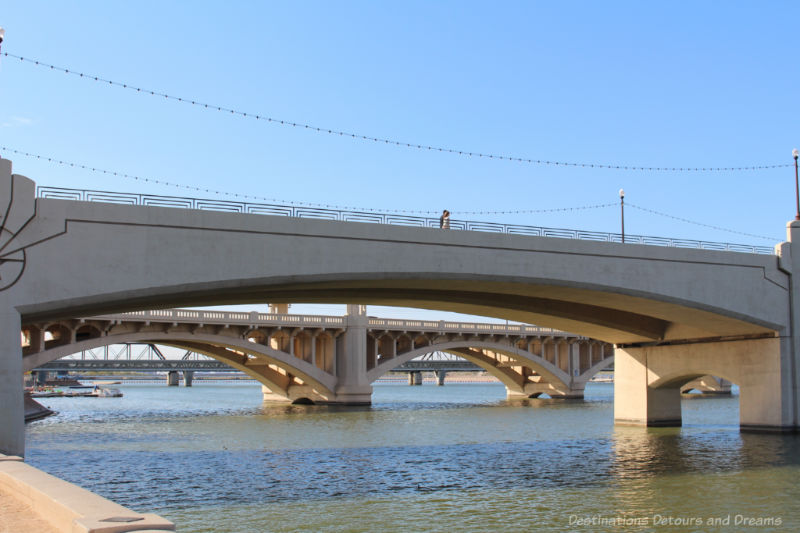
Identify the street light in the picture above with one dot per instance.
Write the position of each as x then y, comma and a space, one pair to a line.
622, 210
796, 193
2, 36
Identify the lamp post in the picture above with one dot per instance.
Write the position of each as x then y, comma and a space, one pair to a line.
622, 211
2, 36
796, 192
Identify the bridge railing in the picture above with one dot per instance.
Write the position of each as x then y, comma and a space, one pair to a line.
227, 317
463, 327
256, 318
381, 218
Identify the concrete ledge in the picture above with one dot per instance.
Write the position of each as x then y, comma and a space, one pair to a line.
10, 458
69, 508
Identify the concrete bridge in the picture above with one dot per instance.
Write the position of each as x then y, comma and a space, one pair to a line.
673, 314
296, 357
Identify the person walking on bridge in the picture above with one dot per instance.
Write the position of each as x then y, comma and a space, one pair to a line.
444, 220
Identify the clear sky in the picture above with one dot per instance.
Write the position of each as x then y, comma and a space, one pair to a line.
675, 84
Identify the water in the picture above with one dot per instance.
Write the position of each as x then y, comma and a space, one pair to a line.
453, 458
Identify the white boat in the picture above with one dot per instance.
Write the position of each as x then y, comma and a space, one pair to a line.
102, 392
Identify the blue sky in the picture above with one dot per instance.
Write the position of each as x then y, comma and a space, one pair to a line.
679, 84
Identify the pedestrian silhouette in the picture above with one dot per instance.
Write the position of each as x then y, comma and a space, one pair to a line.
444, 220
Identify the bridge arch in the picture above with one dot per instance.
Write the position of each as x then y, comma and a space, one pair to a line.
292, 377
532, 375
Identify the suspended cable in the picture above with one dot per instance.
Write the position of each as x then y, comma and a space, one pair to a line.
358, 136
279, 201
535, 211
195, 188
362, 209
698, 223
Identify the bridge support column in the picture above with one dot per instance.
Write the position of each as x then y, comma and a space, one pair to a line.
173, 378
440, 375
188, 376
635, 402
648, 380
415, 378
12, 415
353, 387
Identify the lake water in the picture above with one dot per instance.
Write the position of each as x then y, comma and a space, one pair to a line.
453, 458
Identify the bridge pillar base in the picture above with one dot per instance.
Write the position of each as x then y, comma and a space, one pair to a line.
440, 375
172, 378
351, 395
271, 397
572, 395
415, 378
534, 390
188, 377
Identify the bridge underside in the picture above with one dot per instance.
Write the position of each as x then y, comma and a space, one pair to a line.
590, 312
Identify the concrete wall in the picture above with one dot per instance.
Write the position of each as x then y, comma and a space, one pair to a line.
67, 507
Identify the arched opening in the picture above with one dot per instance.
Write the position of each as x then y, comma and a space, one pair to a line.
535, 347
421, 341
303, 346
303, 401
258, 336
281, 341
86, 332
690, 409
386, 347
324, 351
56, 335
404, 344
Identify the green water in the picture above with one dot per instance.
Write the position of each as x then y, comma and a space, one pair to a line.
453, 458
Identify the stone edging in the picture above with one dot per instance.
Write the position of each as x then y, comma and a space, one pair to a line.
70, 508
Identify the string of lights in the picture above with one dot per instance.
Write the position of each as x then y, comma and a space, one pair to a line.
686, 220
157, 181
361, 209
276, 200
535, 211
369, 138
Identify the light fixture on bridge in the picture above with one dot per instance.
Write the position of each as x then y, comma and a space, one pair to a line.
796, 191
2, 36
622, 211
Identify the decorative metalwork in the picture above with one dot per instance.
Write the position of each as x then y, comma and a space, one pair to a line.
383, 218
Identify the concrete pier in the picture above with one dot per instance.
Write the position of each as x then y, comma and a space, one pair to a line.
415, 378
648, 381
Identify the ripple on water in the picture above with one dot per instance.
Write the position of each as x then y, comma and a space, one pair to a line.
215, 459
